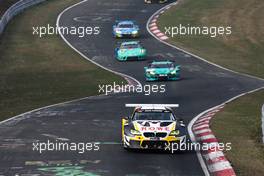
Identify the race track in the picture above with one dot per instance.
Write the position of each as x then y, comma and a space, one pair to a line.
98, 119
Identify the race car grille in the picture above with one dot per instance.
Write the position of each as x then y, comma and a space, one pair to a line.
154, 144
162, 135
150, 134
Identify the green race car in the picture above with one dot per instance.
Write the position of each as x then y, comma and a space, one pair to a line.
130, 51
162, 70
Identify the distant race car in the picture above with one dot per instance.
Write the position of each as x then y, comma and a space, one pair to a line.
125, 28
130, 51
162, 70
151, 1
152, 126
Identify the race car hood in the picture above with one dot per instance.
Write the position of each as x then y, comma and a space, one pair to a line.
130, 52
162, 70
154, 126
126, 30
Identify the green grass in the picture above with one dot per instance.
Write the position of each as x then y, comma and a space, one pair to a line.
240, 121
241, 51
240, 124
37, 72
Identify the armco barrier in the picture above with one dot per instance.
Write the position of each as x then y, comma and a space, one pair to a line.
263, 123
14, 10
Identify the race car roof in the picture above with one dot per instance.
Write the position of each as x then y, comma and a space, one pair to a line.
153, 106
130, 43
125, 22
161, 62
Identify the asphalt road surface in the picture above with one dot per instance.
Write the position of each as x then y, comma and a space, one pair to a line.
98, 119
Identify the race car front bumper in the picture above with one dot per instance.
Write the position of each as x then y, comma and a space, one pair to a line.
140, 142
166, 77
126, 35
131, 57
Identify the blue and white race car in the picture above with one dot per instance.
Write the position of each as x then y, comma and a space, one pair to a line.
125, 28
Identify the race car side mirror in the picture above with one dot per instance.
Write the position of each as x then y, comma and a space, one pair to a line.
181, 122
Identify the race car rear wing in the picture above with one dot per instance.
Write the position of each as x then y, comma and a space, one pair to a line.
152, 106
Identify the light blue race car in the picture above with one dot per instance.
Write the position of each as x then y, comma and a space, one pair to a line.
126, 28
162, 70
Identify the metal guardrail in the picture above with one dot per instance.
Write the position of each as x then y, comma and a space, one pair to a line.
14, 10
262, 123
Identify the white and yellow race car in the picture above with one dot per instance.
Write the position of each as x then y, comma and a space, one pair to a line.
151, 1
152, 126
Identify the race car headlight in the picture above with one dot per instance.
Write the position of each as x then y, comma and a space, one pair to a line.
135, 132
134, 32
118, 32
175, 133
142, 51
151, 72
173, 72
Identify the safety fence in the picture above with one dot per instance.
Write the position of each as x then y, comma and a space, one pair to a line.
14, 10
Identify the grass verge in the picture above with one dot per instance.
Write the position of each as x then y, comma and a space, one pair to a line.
35, 72
241, 51
240, 121
240, 124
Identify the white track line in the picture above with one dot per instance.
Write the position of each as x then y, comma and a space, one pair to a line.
80, 53
194, 55
127, 77
202, 115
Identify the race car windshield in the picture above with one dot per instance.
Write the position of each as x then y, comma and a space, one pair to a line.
125, 25
130, 46
162, 65
153, 116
